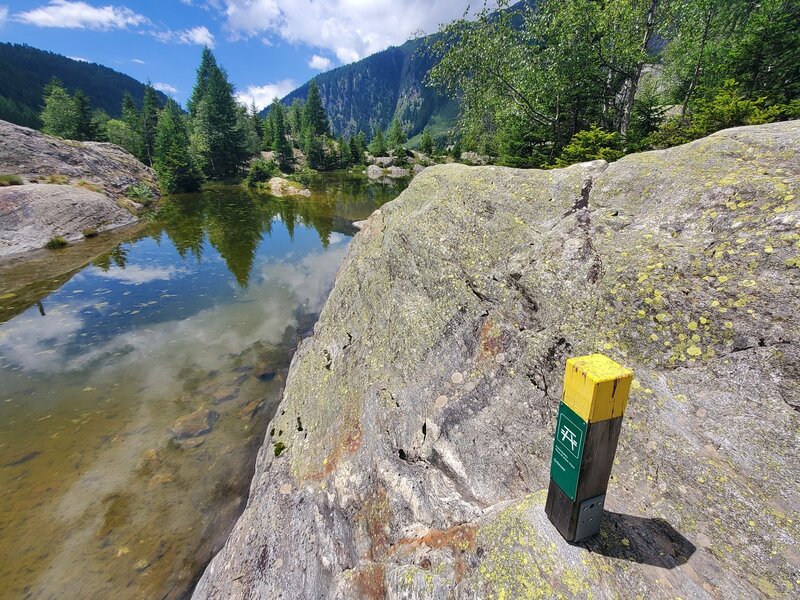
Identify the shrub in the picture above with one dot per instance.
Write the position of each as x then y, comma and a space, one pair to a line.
590, 144
89, 232
57, 179
54, 243
93, 187
261, 170
6, 180
139, 191
302, 176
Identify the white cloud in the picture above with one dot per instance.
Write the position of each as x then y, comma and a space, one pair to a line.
350, 29
135, 274
79, 15
263, 95
165, 87
79, 59
138, 61
196, 35
320, 63
3, 14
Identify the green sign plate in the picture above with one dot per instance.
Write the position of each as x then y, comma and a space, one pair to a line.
568, 450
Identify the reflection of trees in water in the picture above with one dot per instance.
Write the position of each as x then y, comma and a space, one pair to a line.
234, 220
118, 256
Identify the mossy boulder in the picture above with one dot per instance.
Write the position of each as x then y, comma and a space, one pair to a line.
417, 422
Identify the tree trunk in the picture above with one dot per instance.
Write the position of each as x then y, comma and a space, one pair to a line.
633, 85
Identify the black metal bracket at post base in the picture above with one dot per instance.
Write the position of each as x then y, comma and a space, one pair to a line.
587, 431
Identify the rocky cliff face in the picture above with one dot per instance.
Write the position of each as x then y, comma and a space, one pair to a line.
415, 431
68, 186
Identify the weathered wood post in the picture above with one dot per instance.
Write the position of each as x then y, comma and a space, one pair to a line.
587, 430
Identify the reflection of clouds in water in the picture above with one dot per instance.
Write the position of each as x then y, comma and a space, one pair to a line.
155, 354
135, 274
309, 279
32, 342
336, 238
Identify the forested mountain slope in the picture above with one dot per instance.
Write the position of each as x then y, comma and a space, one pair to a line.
24, 71
371, 92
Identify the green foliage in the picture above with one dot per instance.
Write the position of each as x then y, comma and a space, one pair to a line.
400, 155
395, 136
303, 176
58, 115
377, 147
314, 149
591, 144
140, 192
219, 141
314, 118
54, 243
83, 127
6, 180
172, 159
25, 71
279, 448
261, 170
149, 121
280, 144
726, 108
426, 143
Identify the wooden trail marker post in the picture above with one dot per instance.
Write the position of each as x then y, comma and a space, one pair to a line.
587, 431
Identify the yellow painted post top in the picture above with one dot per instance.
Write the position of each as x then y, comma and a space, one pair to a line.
596, 388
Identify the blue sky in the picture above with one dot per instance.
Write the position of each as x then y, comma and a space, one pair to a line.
268, 47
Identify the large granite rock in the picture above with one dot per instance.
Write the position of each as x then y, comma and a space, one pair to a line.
69, 186
415, 431
31, 214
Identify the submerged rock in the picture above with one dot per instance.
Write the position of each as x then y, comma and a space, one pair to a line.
194, 424
428, 391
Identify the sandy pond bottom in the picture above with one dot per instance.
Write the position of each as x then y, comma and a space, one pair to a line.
135, 392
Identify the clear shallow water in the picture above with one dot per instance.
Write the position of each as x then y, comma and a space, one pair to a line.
108, 361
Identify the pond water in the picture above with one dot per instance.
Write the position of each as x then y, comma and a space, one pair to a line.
136, 383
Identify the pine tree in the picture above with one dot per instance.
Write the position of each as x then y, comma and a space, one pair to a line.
377, 147
396, 136
207, 65
149, 118
172, 159
217, 130
281, 146
314, 149
361, 143
314, 117
58, 115
268, 135
426, 143
84, 128
131, 136
345, 158
355, 157
296, 121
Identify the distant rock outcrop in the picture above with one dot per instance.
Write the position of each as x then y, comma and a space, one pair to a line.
68, 186
280, 187
416, 424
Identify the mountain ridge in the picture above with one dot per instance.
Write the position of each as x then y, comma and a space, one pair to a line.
25, 70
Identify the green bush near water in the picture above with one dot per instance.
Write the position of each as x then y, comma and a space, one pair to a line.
54, 243
260, 171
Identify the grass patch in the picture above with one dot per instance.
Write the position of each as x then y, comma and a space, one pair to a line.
57, 179
89, 232
93, 187
54, 243
6, 180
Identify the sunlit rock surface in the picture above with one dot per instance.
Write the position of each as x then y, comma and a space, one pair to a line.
69, 186
416, 425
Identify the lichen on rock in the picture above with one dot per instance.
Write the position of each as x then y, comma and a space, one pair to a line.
428, 391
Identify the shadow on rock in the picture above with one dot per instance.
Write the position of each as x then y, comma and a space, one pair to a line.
639, 539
